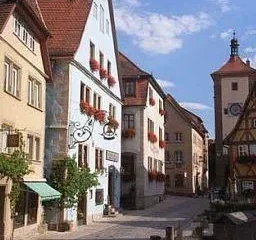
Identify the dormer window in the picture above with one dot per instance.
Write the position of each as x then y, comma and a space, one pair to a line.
22, 32
129, 88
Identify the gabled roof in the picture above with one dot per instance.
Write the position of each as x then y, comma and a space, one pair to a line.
235, 65
7, 7
192, 119
66, 21
252, 93
129, 68
131, 72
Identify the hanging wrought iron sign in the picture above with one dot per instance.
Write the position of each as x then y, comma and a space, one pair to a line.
81, 133
109, 132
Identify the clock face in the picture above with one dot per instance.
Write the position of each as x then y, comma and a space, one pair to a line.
235, 109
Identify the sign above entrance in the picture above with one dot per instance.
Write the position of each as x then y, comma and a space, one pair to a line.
112, 156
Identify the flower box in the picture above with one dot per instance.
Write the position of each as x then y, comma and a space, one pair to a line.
152, 137
103, 73
160, 177
247, 159
162, 144
113, 123
111, 81
129, 133
100, 115
152, 101
84, 106
152, 175
162, 112
94, 65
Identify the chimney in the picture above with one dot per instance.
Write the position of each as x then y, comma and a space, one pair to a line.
248, 62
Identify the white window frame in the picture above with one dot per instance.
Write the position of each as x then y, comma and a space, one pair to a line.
22, 32
95, 10
254, 123
107, 26
97, 101
12, 78
178, 137
243, 150
178, 156
101, 19
34, 93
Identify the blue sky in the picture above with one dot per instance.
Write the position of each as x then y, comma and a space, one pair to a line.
182, 42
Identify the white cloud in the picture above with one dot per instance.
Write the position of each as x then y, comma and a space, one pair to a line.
251, 32
252, 61
226, 34
134, 3
165, 84
158, 33
194, 106
250, 50
224, 5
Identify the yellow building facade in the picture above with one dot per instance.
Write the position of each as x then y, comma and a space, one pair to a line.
24, 72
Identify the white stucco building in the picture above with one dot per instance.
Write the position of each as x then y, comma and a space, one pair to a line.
143, 143
85, 88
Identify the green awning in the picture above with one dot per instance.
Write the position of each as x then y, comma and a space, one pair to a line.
45, 191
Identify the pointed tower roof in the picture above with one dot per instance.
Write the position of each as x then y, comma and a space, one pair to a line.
235, 65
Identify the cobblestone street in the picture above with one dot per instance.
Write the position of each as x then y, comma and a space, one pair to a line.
140, 224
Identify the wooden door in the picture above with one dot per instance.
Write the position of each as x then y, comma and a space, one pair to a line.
2, 206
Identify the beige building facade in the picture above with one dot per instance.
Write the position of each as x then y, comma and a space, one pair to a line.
186, 155
24, 71
143, 168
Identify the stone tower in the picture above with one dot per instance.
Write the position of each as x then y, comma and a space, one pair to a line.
232, 83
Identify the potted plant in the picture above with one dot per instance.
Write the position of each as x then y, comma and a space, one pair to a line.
94, 65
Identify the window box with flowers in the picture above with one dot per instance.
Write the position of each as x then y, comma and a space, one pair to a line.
94, 65
103, 73
129, 133
113, 123
111, 81
160, 177
86, 108
162, 144
100, 115
152, 175
152, 137
152, 101
246, 159
162, 112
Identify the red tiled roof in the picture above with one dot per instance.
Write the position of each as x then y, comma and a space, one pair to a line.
5, 11
129, 68
234, 65
66, 21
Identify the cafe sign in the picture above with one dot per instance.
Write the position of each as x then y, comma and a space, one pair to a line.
112, 156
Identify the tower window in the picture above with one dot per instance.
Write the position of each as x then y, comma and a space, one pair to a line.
225, 111
234, 86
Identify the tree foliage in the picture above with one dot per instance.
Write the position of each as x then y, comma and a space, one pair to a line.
14, 167
71, 181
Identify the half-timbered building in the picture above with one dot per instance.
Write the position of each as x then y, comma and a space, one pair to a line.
241, 144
